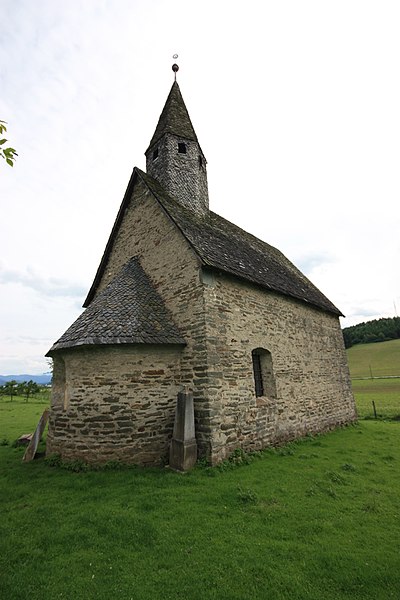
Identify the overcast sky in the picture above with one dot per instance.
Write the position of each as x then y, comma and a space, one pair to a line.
296, 105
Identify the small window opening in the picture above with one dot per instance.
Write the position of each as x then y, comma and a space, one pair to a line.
181, 147
264, 379
155, 154
200, 161
258, 378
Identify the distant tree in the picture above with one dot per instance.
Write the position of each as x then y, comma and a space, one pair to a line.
8, 154
11, 388
377, 330
28, 388
20, 390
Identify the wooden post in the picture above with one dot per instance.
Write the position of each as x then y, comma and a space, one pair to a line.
33, 444
374, 407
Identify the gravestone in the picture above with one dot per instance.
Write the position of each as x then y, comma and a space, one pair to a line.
183, 449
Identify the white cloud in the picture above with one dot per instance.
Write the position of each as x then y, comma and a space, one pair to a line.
47, 287
295, 105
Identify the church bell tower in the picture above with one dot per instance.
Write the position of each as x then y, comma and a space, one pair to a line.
175, 158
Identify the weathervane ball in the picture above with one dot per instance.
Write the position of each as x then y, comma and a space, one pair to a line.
175, 68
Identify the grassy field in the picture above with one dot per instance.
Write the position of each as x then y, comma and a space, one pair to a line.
18, 417
384, 392
317, 519
381, 359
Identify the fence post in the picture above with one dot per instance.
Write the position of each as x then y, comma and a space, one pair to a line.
374, 407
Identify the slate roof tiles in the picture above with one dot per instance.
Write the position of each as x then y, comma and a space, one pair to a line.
221, 245
174, 118
128, 311
224, 246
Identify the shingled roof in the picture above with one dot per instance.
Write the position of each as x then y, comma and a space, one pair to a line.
128, 311
174, 118
222, 245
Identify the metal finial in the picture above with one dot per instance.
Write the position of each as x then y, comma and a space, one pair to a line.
175, 67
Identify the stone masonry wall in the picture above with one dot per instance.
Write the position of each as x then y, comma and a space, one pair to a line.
167, 258
313, 391
183, 176
114, 403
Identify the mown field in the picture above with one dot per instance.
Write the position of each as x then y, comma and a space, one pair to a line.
317, 519
380, 360
385, 393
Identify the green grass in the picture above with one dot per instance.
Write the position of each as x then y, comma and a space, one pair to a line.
382, 359
19, 417
384, 392
316, 519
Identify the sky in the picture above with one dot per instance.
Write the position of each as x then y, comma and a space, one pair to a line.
296, 107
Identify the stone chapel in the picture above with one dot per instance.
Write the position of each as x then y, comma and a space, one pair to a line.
184, 299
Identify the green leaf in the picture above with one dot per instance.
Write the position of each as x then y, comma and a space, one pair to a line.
9, 162
2, 142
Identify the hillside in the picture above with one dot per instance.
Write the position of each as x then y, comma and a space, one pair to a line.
44, 379
381, 359
377, 330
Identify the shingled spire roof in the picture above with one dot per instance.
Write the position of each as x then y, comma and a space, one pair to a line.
127, 311
174, 118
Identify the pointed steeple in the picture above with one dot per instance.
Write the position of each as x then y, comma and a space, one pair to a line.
175, 158
174, 118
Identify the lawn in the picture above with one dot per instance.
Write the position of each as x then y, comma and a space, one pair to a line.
315, 519
19, 417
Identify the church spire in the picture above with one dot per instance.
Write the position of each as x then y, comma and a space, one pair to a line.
174, 118
175, 158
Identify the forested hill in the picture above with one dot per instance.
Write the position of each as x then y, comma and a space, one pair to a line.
378, 330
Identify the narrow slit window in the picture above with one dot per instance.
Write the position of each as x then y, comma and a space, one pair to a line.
182, 148
155, 154
263, 370
258, 378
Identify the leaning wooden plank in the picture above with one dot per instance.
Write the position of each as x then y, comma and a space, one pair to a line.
31, 449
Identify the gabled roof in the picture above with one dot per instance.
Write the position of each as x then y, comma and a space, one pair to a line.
222, 245
127, 311
174, 118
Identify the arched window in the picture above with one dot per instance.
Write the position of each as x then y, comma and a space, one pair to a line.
264, 379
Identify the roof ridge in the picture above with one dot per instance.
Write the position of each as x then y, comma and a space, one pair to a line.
220, 244
280, 267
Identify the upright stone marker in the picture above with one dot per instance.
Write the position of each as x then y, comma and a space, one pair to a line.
183, 449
